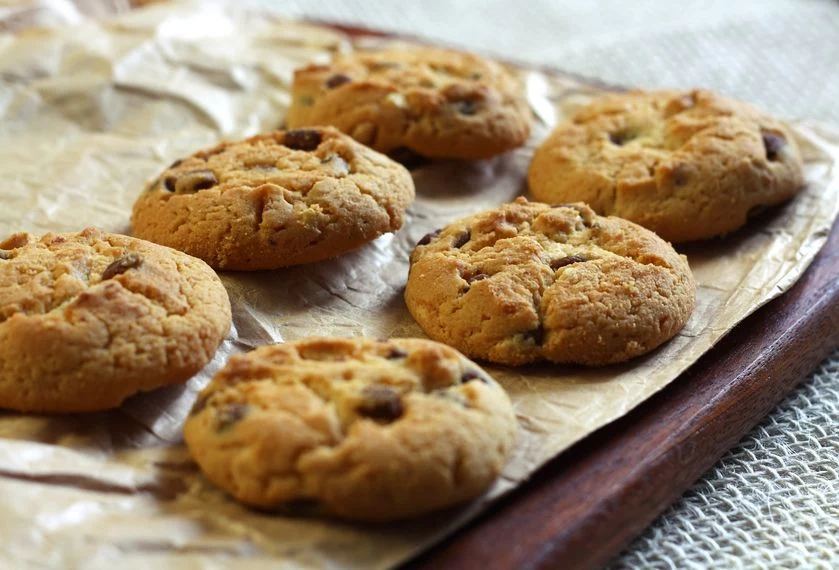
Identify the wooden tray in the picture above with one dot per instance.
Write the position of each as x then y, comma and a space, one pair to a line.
583, 507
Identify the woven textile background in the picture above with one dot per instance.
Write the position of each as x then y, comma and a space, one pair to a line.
773, 501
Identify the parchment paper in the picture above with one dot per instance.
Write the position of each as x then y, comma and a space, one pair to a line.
88, 113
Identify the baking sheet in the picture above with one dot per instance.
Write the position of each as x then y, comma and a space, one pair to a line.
88, 113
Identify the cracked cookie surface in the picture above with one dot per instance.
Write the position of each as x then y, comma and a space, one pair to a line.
90, 318
370, 429
433, 102
528, 282
688, 165
275, 200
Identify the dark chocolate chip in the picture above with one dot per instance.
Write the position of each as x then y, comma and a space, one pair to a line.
199, 404
462, 239
620, 138
169, 183
195, 180
176, 163
466, 107
473, 375
396, 353
476, 277
5, 254
230, 414
380, 403
337, 80
426, 239
537, 335
773, 144
121, 265
408, 158
302, 139
568, 260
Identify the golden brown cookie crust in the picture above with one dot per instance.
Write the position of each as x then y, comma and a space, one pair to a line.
688, 165
275, 200
434, 102
88, 319
527, 282
372, 430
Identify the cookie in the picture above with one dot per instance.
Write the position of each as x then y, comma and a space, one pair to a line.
369, 430
433, 102
528, 282
90, 318
274, 200
688, 165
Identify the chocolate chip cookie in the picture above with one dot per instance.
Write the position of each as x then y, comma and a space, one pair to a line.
369, 429
274, 200
90, 318
433, 102
527, 282
688, 165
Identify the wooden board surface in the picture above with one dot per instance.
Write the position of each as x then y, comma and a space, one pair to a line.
583, 507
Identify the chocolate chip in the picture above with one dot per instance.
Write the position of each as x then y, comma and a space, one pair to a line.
773, 145
476, 277
426, 239
466, 107
230, 414
568, 260
616, 138
176, 163
337, 80
122, 265
473, 375
462, 239
537, 335
194, 180
396, 353
380, 403
5, 254
302, 139
169, 183
408, 158
199, 405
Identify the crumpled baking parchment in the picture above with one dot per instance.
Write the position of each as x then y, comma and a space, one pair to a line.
91, 109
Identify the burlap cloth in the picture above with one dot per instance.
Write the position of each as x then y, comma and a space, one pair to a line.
773, 501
